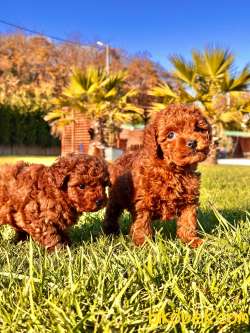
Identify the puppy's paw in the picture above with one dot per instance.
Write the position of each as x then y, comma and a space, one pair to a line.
194, 243
111, 229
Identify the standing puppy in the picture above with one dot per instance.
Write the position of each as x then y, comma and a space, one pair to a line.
160, 181
45, 201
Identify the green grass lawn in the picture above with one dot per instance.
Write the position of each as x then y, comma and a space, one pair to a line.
105, 284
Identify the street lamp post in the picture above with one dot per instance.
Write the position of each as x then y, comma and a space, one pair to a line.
107, 55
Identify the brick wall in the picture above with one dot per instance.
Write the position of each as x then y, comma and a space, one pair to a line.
131, 139
75, 137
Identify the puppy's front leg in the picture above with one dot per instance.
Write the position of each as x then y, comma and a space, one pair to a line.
112, 214
141, 227
187, 226
21, 236
49, 236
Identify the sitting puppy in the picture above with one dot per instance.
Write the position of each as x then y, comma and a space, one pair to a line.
44, 201
159, 181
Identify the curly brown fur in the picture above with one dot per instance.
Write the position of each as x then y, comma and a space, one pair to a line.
45, 201
160, 181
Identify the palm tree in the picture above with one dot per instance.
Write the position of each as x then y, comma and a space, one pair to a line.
101, 97
206, 81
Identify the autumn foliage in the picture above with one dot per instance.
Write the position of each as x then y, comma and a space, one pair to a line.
34, 70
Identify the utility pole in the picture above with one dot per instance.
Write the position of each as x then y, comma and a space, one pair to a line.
107, 55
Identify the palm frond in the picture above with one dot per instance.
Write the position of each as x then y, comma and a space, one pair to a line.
240, 81
132, 108
163, 90
231, 116
183, 70
216, 61
156, 107
57, 114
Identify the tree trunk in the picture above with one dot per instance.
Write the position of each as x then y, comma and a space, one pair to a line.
100, 131
212, 156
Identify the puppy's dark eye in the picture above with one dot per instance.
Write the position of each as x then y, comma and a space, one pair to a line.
81, 186
171, 135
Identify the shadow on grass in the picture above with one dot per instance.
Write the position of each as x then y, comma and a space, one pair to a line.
208, 221
91, 228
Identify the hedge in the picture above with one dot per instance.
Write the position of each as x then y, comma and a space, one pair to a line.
27, 128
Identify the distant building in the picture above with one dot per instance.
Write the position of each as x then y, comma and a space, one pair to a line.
241, 143
131, 137
75, 137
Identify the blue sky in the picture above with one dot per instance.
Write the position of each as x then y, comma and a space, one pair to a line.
158, 27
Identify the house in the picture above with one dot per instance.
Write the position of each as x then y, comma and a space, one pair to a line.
75, 137
241, 143
131, 137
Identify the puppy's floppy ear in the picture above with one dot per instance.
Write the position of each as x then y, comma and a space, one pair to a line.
61, 179
150, 141
60, 171
159, 152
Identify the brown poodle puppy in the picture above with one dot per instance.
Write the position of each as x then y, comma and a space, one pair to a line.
44, 201
159, 181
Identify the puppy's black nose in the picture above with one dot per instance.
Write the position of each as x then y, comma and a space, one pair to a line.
99, 202
192, 144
